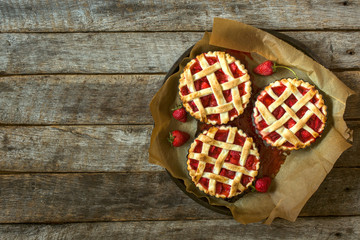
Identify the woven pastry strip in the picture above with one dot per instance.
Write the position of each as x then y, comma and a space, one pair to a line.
277, 125
223, 107
207, 139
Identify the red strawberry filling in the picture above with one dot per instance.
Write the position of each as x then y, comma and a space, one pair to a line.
233, 157
209, 167
184, 91
290, 123
251, 162
278, 112
194, 164
302, 90
221, 76
204, 182
314, 122
227, 173
214, 151
221, 135
205, 84
233, 112
222, 189
198, 146
291, 100
235, 70
239, 140
215, 117
227, 95
266, 100
246, 179
241, 88
201, 84
205, 101
278, 90
211, 60
304, 135
273, 136
195, 68
193, 106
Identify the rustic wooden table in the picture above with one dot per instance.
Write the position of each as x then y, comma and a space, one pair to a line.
76, 81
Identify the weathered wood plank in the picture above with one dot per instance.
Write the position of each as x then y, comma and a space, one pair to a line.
92, 52
350, 158
337, 185
75, 149
310, 228
98, 99
352, 80
139, 52
95, 149
77, 99
95, 197
139, 196
49, 16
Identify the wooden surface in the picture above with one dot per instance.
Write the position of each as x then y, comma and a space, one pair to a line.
73, 148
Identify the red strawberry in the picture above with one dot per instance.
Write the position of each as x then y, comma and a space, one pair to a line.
179, 113
178, 138
262, 184
265, 68
268, 67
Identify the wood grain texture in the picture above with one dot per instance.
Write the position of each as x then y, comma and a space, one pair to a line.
95, 197
75, 149
78, 99
95, 149
352, 80
337, 185
97, 15
350, 158
139, 52
139, 196
310, 228
99, 99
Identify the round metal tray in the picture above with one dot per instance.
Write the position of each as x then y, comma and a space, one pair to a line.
180, 183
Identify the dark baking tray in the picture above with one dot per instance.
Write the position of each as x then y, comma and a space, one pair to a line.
180, 183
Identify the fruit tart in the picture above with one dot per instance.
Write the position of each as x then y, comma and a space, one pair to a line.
223, 161
215, 88
290, 114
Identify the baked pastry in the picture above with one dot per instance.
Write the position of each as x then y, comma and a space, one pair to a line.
215, 87
290, 114
223, 161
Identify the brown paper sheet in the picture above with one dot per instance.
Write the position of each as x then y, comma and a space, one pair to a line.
304, 170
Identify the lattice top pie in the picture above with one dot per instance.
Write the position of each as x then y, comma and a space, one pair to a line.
290, 114
215, 87
223, 161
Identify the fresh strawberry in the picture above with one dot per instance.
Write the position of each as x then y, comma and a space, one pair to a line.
268, 67
265, 68
262, 184
179, 113
178, 138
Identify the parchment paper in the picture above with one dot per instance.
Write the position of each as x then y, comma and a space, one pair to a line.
304, 170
